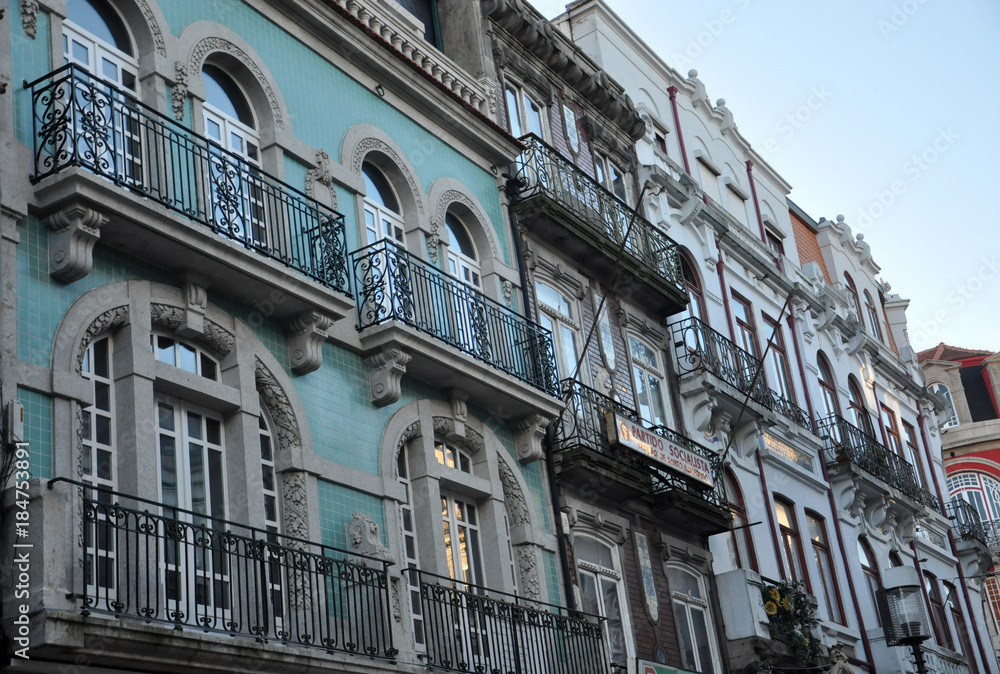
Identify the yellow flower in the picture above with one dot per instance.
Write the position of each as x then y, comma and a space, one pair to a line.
770, 608
785, 605
775, 595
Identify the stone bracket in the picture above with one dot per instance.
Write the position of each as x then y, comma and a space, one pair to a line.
195, 306
385, 373
73, 231
530, 438
306, 334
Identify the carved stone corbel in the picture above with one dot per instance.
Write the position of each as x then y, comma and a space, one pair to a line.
530, 434
73, 231
365, 539
459, 412
195, 306
385, 372
306, 334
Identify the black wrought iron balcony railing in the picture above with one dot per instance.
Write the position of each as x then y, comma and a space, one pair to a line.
845, 442
470, 628
393, 285
82, 121
699, 348
583, 423
542, 170
157, 563
967, 522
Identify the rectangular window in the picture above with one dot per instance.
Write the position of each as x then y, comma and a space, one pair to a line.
778, 370
960, 626
791, 542
913, 452
824, 564
891, 431
746, 331
939, 618
737, 205
774, 242
709, 179
524, 115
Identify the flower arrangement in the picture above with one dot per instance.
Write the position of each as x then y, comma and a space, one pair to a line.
792, 613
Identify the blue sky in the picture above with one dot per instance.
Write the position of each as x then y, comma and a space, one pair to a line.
880, 110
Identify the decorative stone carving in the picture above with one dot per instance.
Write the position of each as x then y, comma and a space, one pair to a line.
726, 125
218, 44
451, 197
110, 319
374, 144
397, 604
434, 240
529, 437
508, 294
220, 339
364, 537
279, 407
459, 411
295, 504
154, 26
527, 566
29, 17
320, 174
73, 231
166, 316
474, 441
195, 308
179, 92
514, 501
385, 373
412, 431
174, 319
306, 335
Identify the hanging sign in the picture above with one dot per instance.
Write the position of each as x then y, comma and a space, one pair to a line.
627, 433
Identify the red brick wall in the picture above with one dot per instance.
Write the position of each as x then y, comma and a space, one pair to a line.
807, 245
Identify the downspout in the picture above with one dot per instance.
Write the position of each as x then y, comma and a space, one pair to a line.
878, 415
850, 577
756, 204
672, 91
802, 368
720, 268
512, 189
769, 504
954, 548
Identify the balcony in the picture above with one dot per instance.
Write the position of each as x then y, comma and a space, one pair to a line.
149, 563
474, 629
571, 212
96, 147
848, 446
585, 455
699, 348
407, 302
967, 523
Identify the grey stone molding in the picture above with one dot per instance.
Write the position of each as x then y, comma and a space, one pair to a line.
306, 334
385, 373
73, 231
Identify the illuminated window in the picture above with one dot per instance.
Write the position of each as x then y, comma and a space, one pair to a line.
791, 541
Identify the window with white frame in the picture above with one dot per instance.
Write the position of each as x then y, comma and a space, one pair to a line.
95, 38
946, 392
648, 379
558, 313
98, 463
598, 572
524, 114
693, 619
183, 355
271, 492
383, 216
410, 547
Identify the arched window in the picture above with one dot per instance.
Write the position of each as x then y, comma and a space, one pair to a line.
739, 540
859, 413
95, 38
238, 198
696, 300
829, 404
558, 313
869, 567
648, 378
943, 390
824, 564
692, 616
852, 290
603, 593
383, 217
874, 322
939, 617
980, 490
463, 262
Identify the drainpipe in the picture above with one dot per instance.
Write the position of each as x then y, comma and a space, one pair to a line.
798, 358
954, 548
850, 577
513, 187
672, 92
720, 267
878, 415
769, 504
550, 468
756, 204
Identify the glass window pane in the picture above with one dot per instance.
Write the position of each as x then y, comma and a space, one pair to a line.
187, 359
534, 114
102, 367
165, 350
168, 470
513, 117
702, 644
208, 369
166, 417
102, 396
215, 477
196, 468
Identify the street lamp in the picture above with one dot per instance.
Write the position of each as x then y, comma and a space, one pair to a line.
901, 605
